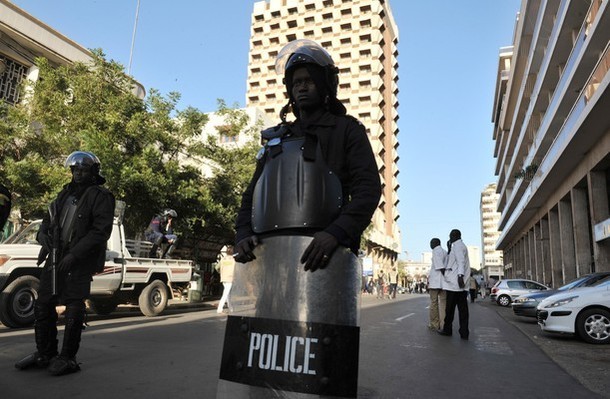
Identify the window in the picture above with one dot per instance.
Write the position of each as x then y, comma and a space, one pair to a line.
271, 82
365, 24
273, 54
275, 14
365, 83
365, 38
347, 26
327, 16
254, 84
365, 68
308, 33
255, 71
345, 55
327, 3
270, 96
310, 6
258, 29
292, 24
326, 44
347, 40
259, 17
345, 86
274, 40
253, 99
256, 56
257, 43
365, 53
309, 20
292, 11
365, 8
327, 29
275, 26
291, 37
347, 11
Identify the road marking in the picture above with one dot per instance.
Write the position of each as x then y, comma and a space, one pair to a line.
404, 317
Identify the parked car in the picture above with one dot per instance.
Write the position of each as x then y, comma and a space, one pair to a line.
505, 291
525, 305
582, 311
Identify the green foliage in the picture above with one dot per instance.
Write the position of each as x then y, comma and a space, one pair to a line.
148, 148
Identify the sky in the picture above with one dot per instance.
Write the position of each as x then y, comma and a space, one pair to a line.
448, 59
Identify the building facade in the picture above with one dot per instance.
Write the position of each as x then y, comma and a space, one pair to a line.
361, 36
552, 142
492, 261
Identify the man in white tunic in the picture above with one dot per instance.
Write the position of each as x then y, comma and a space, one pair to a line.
435, 288
456, 284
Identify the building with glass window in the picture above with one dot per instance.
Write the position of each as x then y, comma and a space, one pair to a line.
491, 264
361, 36
552, 142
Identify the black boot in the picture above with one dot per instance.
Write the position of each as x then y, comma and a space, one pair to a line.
45, 332
66, 362
34, 360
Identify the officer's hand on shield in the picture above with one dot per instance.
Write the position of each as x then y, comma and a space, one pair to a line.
243, 249
66, 263
319, 251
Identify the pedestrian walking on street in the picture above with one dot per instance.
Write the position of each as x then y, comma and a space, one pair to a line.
381, 281
393, 277
227, 267
455, 283
438, 296
473, 288
73, 236
5, 206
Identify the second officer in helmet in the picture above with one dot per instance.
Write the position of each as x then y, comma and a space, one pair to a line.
76, 229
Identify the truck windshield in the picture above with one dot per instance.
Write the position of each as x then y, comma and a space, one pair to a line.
25, 235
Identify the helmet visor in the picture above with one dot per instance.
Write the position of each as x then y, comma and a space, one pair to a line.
80, 159
306, 51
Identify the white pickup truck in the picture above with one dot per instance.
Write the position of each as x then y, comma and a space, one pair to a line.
126, 278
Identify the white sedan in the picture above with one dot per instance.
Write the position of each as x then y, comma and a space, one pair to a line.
582, 311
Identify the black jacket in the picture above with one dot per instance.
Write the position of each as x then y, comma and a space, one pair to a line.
92, 228
347, 152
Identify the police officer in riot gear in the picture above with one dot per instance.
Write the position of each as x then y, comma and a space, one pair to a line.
160, 231
76, 228
311, 81
314, 191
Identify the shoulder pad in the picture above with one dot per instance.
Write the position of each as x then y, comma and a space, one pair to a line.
274, 132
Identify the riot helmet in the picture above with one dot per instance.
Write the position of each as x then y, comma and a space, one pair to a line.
320, 66
84, 159
170, 212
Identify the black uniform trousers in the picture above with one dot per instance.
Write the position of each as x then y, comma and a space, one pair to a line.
457, 299
72, 290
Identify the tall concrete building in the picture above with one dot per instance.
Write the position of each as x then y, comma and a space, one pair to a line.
361, 36
491, 264
552, 134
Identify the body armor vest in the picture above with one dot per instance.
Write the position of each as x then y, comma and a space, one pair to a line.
66, 219
293, 192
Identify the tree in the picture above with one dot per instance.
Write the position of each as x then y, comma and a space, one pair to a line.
144, 147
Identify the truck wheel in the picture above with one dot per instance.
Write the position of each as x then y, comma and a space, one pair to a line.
153, 298
17, 302
103, 306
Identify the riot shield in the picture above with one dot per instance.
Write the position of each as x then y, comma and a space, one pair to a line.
292, 334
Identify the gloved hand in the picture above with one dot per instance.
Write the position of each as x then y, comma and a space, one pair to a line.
319, 251
243, 249
461, 281
66, 263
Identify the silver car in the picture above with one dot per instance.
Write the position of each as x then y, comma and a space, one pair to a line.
505, 291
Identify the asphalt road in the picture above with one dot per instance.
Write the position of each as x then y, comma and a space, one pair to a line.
178, 354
